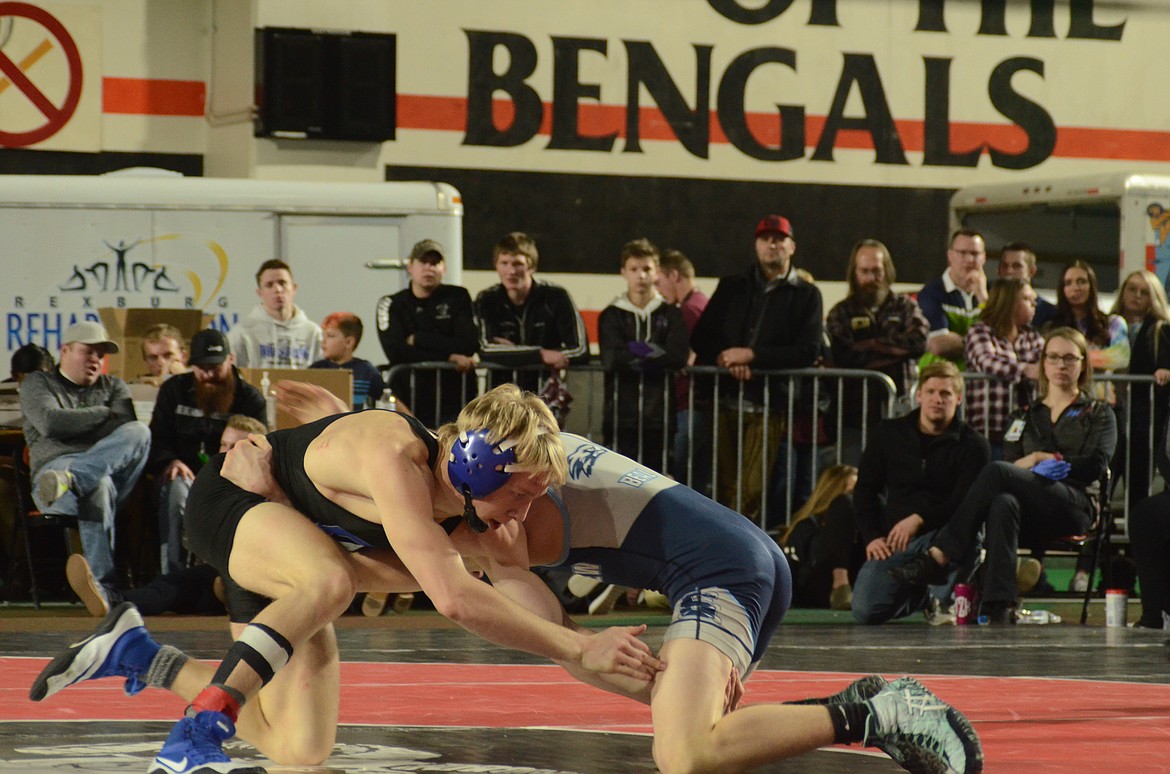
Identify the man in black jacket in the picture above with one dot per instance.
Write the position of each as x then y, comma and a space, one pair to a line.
524, 321
430, 321
763, 318
913, 474
189, 417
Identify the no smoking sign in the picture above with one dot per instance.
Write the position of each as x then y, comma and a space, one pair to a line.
40, 75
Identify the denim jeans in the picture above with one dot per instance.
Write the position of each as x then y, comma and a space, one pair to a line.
103, 476
172, 504
878, 598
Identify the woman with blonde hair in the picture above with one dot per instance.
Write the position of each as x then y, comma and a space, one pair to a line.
1142, 302
1055, 453
822, 543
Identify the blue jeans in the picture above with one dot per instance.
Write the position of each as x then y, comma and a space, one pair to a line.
103, 476
172, 504
878, 598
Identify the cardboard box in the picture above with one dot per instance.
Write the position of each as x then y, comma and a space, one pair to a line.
127, 326
338, 381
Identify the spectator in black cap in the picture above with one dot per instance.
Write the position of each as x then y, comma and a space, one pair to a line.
190, 414
429, 321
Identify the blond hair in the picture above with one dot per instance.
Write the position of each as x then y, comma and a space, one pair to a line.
831, 484
1159, 308
160, 331
509, 413
246, 424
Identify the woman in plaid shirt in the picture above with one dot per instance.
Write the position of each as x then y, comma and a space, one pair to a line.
1003, 346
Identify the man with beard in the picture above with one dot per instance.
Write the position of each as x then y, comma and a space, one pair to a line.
190, 415
875, 329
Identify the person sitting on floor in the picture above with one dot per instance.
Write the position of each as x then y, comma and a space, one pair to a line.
822, 544
914, 473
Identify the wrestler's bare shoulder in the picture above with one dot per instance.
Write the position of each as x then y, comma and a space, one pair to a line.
360, 437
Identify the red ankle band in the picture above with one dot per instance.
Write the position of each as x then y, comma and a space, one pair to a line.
215, 699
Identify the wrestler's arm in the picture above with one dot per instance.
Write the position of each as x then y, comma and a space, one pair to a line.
521, 585
306, 402
400, 488
248, 465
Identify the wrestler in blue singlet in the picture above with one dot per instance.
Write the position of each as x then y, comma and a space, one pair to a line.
727, 581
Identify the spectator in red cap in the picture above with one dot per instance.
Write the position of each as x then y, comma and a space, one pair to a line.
763, 318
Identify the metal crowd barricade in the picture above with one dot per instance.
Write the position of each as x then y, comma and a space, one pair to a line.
814, 399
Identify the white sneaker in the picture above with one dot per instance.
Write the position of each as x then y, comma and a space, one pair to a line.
603, 603
52, 485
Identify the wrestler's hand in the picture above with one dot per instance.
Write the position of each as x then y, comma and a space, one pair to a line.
248, 465
307, 402
617, 650
733, 693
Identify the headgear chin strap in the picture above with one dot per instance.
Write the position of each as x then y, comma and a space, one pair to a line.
477, 467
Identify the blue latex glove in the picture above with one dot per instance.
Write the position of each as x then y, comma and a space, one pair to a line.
641, 348
1057, 470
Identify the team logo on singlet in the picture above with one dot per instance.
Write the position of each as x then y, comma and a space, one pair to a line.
582, 460
699, 606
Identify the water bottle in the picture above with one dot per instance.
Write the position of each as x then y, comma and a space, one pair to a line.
387, 401
269, 401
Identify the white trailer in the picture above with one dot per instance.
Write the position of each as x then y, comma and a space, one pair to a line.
70, 245
1117, 222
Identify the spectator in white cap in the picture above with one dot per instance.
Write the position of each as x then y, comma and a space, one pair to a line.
86, 449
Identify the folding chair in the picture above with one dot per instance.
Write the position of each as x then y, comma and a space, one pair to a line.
1099, 533
28, 517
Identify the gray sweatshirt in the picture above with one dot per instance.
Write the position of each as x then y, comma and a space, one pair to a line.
61, 417
262, 342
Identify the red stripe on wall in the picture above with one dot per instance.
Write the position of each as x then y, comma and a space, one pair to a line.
450, 114
153, 97
590, 317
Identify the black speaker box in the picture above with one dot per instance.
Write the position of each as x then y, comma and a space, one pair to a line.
325, 85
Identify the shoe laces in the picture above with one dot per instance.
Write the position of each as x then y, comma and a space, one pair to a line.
908, 738
205, 733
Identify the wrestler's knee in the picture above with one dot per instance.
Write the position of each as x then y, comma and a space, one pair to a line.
332, 588
302, 749
677, 756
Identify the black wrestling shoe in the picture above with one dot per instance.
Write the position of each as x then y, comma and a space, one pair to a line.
858, 691
920, 570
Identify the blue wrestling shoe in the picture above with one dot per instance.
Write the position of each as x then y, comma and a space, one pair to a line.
121, 647
195, 746
921, 732
857, 692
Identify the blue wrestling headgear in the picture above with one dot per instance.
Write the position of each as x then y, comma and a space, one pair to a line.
477, 467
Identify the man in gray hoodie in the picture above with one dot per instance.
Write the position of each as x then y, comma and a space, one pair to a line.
86, 447
276, 334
